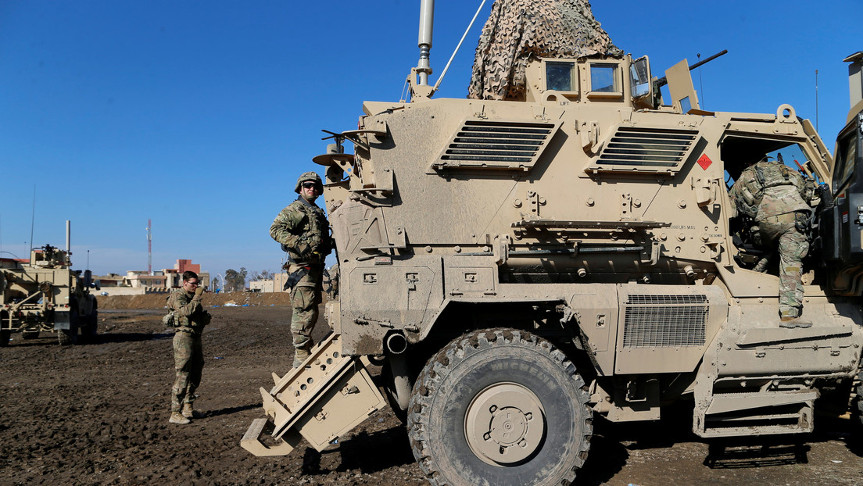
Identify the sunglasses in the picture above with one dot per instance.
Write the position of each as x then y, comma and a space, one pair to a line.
193, 283
309, 185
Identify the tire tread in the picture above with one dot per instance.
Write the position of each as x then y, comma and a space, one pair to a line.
436, 369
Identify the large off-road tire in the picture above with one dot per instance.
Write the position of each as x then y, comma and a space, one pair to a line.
501, 407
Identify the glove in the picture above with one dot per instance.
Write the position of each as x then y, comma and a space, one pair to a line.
198, 293
326, 246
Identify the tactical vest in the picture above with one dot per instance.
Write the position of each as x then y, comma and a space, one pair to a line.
174, 319
764, 176
315, 235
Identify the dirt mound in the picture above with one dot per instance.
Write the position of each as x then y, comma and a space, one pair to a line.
157, 301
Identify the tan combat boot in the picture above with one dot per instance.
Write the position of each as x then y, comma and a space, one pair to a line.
177, 418
188, 412
300, 355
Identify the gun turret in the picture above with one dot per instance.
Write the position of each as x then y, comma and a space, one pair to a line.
663, 81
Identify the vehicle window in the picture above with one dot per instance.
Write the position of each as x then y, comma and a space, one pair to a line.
794, 157
685, 105
846, 154
559, 76
603, 79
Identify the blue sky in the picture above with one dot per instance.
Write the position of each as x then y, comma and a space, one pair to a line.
200, 115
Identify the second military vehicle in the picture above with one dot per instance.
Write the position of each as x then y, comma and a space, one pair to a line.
521, 267
44, 294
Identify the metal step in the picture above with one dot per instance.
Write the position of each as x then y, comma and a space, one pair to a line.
326, 397
756, 413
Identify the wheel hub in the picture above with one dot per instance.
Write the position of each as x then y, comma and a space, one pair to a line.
504, 424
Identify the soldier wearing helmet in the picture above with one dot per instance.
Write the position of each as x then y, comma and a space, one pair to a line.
304, 233
777, 199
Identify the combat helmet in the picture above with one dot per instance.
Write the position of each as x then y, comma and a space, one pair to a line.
308, 176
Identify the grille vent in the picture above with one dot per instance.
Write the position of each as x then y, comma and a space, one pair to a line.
480, 144
651, 150
664, 320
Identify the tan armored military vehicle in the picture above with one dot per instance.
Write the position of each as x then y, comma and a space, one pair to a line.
44, 294
521, 267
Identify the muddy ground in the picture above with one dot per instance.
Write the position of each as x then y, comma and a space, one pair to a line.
98, 414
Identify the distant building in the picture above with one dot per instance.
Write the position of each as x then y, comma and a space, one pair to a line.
174, 276
140, 278
110, 280
141, 282
184, 265
275, 284
279, 281
261, 285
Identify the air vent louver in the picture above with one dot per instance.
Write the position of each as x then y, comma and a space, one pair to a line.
480, 144
649, 150
664, 320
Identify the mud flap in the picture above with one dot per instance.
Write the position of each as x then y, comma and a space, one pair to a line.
326, 397
62, 320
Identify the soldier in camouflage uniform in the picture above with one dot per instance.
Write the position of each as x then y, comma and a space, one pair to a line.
304, 232
189, 319
776, 198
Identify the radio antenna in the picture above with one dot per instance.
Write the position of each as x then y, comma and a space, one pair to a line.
425, 41
816, 100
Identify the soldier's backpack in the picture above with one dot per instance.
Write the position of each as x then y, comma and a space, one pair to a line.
773, 174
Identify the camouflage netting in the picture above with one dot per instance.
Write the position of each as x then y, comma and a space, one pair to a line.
520, 30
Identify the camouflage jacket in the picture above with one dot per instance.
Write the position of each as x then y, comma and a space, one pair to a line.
770, 189
189, 314
304, 232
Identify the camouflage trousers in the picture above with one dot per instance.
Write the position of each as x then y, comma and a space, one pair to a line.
188, 363
304, 301
781, 232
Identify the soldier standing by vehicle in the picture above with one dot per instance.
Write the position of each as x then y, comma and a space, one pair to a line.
189, 318
303, 231
775, 196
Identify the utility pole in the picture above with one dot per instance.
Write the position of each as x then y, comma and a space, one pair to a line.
32, 221
149, 247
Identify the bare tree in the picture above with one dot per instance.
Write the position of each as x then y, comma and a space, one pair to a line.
234, 280
262, 275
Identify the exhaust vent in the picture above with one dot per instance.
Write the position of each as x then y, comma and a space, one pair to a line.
647, 150
659, 321
481, 144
